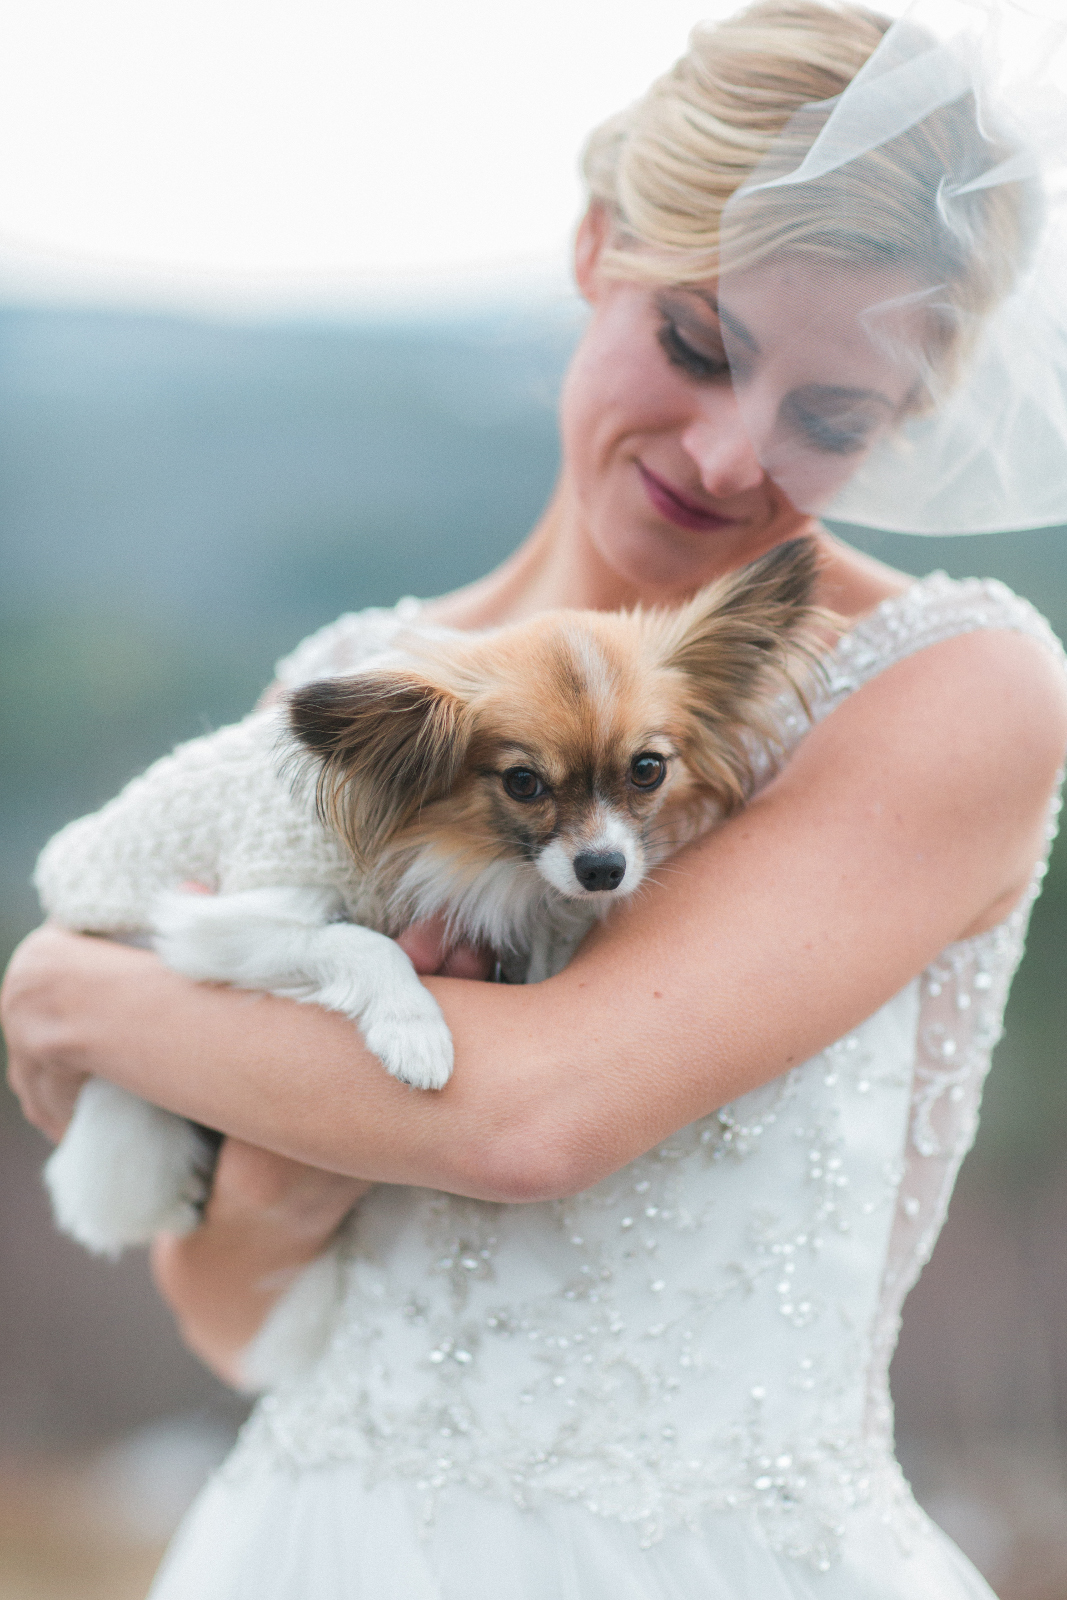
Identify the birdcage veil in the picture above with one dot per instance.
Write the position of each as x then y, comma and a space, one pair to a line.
893, 284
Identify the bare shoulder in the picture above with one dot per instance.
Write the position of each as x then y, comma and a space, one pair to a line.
852, 583
950, 757
997, 690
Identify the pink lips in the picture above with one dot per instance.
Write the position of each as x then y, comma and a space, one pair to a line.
670, 504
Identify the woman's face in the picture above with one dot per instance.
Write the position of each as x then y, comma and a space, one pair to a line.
665, 449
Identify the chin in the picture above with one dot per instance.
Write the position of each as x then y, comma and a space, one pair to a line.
662, 563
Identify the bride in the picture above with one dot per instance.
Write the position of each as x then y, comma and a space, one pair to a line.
616, 1307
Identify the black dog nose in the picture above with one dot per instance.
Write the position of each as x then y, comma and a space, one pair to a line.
600, 869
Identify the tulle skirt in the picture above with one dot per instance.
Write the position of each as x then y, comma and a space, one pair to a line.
323, 1535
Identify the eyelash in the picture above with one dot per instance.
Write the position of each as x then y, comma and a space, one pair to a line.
690, 361
822, 435
828, 439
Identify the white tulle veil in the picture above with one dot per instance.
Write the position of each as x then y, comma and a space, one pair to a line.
894, 280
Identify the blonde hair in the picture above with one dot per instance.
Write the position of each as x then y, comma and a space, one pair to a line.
665, 168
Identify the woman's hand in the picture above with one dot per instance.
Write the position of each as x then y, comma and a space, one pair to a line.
39, 1004
53, 975
909, 818
267, 1218
433, 955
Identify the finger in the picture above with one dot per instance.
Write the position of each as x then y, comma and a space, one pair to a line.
33, 1024
47, 1099
247, 1167
248, 1178
468, 961
47, 1096
426, 945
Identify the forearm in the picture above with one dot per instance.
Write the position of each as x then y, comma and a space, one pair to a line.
758, 947
555, 1085
295, 1079
266, 1220
526, 1111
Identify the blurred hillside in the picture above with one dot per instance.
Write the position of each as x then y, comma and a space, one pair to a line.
179, 503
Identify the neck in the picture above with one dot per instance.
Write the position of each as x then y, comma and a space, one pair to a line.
555, 567
558, 567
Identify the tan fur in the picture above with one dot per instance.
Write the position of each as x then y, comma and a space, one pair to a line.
411, 756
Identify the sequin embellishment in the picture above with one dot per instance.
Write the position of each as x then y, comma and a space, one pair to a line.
710, 1328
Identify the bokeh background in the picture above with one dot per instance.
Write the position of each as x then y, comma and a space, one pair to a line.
283, 312
182, 500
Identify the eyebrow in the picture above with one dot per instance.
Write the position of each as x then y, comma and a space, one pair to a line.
833, 391
738, 329
742, 334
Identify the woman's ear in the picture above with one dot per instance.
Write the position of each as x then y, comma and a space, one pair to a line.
593, 234
385, 744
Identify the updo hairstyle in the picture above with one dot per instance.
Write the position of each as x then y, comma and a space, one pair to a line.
665, 168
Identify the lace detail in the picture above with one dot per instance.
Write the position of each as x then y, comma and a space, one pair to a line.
710, 1328
935, 609
965, 991
963, 999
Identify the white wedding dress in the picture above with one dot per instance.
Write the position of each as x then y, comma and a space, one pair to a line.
673, 1386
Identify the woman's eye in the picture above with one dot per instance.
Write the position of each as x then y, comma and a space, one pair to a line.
702, 365
522, 784
835, 430
647, 771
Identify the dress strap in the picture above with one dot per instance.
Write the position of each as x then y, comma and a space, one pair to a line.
936, 608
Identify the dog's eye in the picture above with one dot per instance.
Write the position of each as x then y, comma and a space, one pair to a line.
522, 784
647, 771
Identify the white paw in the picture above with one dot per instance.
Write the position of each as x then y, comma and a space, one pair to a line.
411, 1039
125, 1171
368, 978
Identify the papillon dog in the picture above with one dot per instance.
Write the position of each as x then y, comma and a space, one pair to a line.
520, 783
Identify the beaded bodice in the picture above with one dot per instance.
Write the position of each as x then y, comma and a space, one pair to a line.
710, 1327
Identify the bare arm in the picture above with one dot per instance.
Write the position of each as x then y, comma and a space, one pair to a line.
909, 818
267, 1219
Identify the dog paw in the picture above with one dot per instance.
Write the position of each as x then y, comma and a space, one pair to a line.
415, 1048
125, 1171
253, 938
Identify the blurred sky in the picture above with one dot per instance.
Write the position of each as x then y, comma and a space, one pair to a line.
306, 154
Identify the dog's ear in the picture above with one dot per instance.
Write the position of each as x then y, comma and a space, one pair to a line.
734, 643
726, 636
386, 743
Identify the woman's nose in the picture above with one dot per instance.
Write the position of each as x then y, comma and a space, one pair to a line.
718, 442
